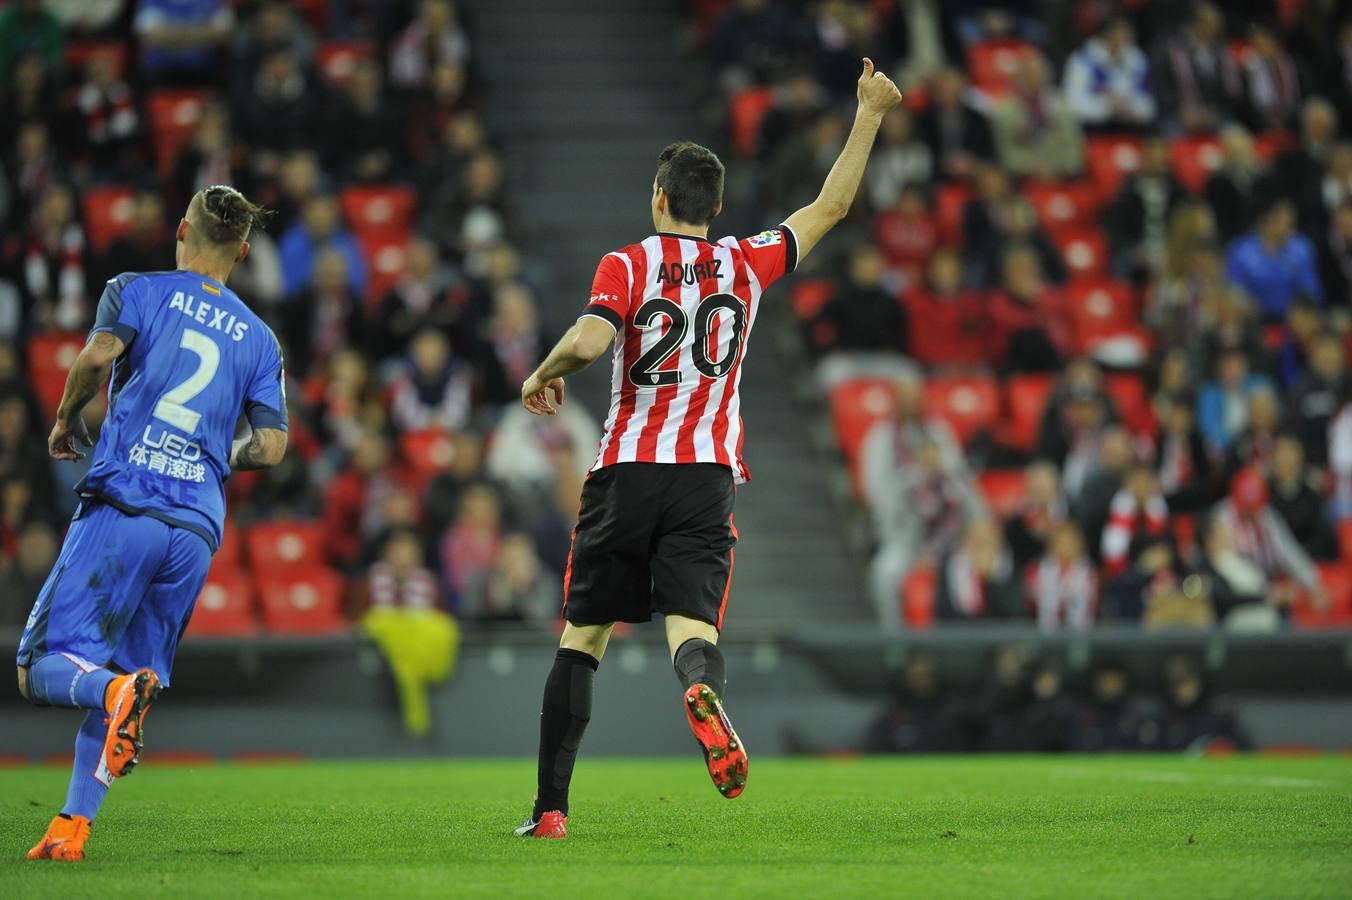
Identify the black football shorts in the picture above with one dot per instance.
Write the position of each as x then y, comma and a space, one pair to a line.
652, 537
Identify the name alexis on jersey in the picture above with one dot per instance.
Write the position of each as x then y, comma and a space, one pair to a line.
688, 273
198, 311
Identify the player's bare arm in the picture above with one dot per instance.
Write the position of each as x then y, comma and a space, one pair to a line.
877, 94
579, 347
263, 449
86, 376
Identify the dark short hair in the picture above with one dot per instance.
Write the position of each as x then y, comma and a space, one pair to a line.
692, 178
224, 215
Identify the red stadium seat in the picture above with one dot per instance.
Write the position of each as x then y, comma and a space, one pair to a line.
1337, 581
950, 203
1101, 310
1109, 159
1062, 205
746, 111
917, 598
1026, 398
107, 215
302, 600
229, 553
856, 406
992, 64
1129, 396
378, 209
386, 258
280, 545
174, 114
1003, 490
225, 606
969, 403
1194, 159
807, 297
338, 59
1085, 251
428, 451
50, 356
1345, 540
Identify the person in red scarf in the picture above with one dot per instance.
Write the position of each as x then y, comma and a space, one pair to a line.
954, 316
1028, 329
1137, 516
977, 580
1063, 585
1271, 82
1263, 538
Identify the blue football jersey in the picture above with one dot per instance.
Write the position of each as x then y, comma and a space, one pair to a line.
196, 358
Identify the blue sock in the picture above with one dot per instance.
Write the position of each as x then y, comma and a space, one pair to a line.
86, 792
58, 680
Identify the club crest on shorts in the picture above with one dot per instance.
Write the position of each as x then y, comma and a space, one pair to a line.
765, 239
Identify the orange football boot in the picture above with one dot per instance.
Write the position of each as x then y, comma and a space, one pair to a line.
723, 750
552, 824
64, 840
127, 702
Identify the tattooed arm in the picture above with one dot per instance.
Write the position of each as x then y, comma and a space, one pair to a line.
86, 377
263, 449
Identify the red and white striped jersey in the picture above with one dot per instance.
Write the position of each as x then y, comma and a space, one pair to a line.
682, 308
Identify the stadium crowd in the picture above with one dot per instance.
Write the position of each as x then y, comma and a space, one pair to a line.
1085, 351
391, 271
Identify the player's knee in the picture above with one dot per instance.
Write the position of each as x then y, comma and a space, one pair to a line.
23, 684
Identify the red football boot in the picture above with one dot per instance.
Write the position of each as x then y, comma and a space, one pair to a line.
723, 750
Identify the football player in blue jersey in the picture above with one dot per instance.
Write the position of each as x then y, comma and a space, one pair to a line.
185, 358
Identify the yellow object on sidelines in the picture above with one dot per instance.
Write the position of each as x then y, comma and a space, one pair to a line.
422, 646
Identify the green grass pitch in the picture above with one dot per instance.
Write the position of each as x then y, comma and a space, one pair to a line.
923, 827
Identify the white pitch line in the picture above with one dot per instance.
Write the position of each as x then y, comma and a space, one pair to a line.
1155, 777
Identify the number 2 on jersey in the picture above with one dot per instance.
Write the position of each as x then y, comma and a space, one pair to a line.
647, 370
173, 406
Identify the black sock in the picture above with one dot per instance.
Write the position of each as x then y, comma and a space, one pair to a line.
563, 718
700, 662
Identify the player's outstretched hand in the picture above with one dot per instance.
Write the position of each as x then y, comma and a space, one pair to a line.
535, 395
877, 93
61, 444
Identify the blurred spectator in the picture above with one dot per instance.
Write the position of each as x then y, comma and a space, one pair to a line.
108, 117
1325, 388
1186, 298
900, 160
209, 157
520, 588
1138, 220
29, 96
954, 317
434, 389
1064, 587
433, 109
1298, 173
1152, 591
861, 314
512, 345
360, 124
417, 301
1294, 493
957, 135
1254, 445
353, 511
320, 226
463, 467
917, 718
1040, 512
1098, 473
1336, 259
1137, 517
279, 109
54, 262
1107, 80
798, 100
480, 190
796, 168
179, 39
1035, 131
1340, 458
22, 577
749, 41
1077, 409
1223, 404
983, 217
326, 316
274, 26
399, 579
1271, 81
977, 580
907, 233
147, 247
1194, 77
1262, 537
843, 32
1292, 358
1182, 462
434, 36
33, 168
1232, 581
1017, 226
1028, 330
26, 27
23, 463
1231, 326
1274, 263
1107, 717
1237, 190
470, 551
